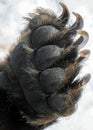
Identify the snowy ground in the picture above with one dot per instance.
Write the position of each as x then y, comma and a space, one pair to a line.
11, 22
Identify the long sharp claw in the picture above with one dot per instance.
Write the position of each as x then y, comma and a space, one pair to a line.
82, 40
85, 54
86, 79
65, 14
83, 81
78, 23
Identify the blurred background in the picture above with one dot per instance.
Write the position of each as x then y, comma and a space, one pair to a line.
12, 22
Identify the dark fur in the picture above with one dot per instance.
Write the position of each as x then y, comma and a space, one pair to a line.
37, 81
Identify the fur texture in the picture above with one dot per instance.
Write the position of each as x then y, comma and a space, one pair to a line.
38, 80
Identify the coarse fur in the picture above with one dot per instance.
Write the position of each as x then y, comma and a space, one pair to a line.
38, 81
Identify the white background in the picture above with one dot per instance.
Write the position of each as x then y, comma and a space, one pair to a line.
11, 22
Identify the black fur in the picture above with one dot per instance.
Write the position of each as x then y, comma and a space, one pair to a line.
37, 82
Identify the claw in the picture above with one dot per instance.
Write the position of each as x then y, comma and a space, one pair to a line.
85, 54
85, 79
82, 82
79, 60
81, 42
65, 14
79, 22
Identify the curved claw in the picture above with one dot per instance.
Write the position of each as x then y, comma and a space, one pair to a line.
85, 53
81, 42
83, 56
85, 79
78, 23
65, 14
82, 82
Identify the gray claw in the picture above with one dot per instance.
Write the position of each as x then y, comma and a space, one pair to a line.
65, 14
81, 42
78, 23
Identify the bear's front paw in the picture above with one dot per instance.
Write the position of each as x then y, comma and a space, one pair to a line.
46, 63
